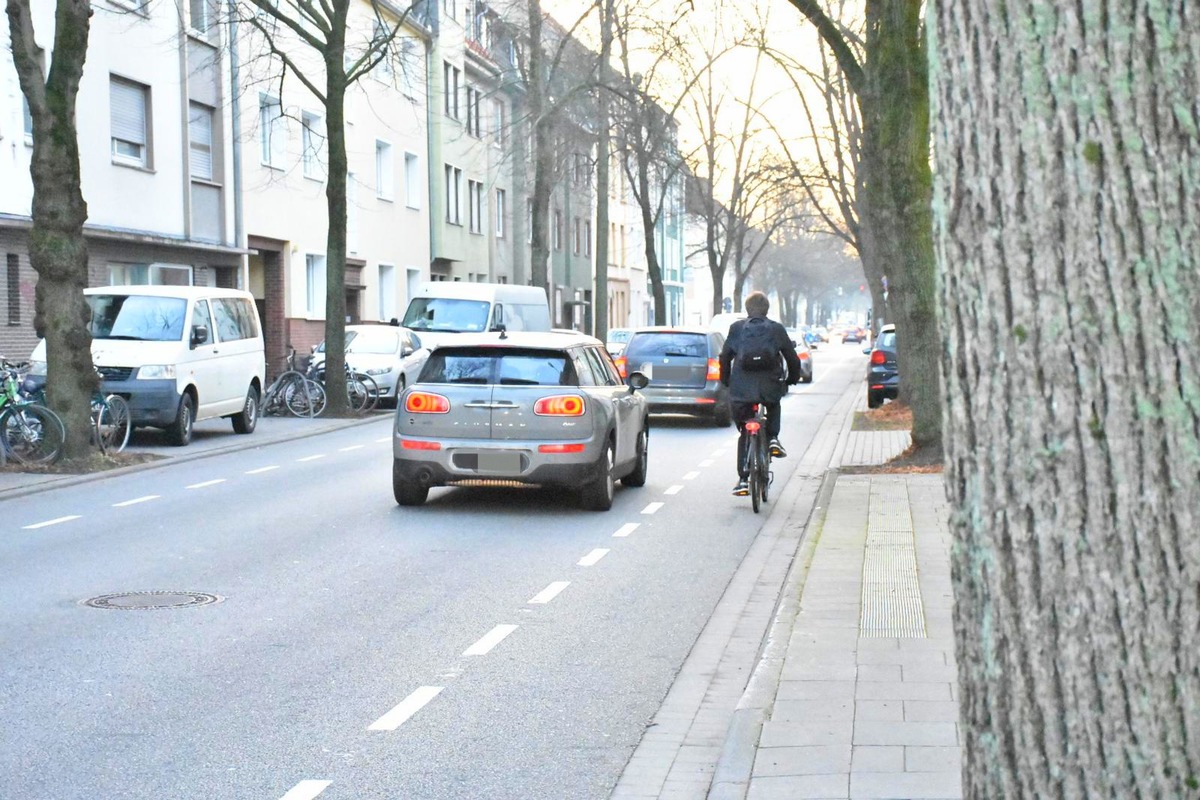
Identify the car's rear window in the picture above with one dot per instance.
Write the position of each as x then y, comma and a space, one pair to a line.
887, 339
667, 343
504, 366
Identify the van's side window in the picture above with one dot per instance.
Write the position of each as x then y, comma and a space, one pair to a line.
200, 316
235, 319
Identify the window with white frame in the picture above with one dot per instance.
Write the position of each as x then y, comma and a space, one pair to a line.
587, 238
200, 141
453, 195
129, 112
413, 183
451, 8
475, 205
314, 285
412, 65
501, 211
149, 274
474, 126
312, 138
385, 182
558, 231
451, 77
201, 16
387, 292
27, 120
497, 122
272, 136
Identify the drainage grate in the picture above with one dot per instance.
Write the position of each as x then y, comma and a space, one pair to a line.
150, 601
891, 593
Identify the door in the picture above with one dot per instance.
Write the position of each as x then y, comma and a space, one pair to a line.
202, 367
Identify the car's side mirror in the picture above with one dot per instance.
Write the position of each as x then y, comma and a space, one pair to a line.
406, 351
866, 351
199, 335
638, 381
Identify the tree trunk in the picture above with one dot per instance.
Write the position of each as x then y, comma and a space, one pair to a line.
600, 296
1069, 244
542, 158
653, 268
337, 398
57, 248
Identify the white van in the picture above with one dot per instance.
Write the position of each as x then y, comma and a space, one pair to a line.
445, 307
178, 354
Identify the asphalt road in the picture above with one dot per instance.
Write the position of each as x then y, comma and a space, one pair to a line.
490, 644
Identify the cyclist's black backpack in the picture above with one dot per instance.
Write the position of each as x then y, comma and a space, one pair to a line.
757, 350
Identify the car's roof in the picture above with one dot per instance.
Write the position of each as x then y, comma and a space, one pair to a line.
188, 292
889, 328
552, 340
674, 329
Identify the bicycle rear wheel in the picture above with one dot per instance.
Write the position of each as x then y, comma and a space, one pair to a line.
305, 398
113, 424
357, 394
31, 434
755, 478
372, 391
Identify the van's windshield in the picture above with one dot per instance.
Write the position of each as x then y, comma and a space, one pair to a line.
137, 317
446, 314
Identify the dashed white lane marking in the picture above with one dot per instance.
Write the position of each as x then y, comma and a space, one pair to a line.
674, 489
351, 447
691, 476
49, 522
593, 557
306, 790
718, 453
384, 439
407, 707
311, 458
203, 484
493, 638
650, 509
136, 500
261, 470
549, 593
706, 462
627, 528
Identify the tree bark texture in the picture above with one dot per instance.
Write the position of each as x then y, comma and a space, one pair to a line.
57, 248
1068, 236
542, 157
337, 399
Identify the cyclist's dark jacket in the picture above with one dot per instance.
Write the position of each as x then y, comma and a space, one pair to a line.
764, 386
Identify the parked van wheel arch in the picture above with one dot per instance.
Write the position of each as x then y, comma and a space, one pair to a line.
247, 419
180, 431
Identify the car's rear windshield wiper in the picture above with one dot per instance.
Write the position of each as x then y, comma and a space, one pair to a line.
480, 381
519, 382
677, 353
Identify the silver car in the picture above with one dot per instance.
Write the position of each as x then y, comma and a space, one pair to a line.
392, 356
519, 409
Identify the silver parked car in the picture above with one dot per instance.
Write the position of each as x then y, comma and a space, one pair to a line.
545, 409
392, 356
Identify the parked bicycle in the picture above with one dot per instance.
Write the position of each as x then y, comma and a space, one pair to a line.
362, 392
292, 392
30, 433
111, 421
758, 457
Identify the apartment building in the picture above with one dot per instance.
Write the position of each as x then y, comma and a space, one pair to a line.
155, 146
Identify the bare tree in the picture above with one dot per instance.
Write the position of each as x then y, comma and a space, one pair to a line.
310, 43
57, 248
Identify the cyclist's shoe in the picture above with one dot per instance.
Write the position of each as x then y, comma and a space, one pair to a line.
742, 489
777, 450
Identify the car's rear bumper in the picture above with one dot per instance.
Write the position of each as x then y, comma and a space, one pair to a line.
473, 461
886, 384
686, 399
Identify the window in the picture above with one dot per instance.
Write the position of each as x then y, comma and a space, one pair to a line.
587, 238
272, 137
384, 171
475, 203
312, 137
451, 8
387, 292
202, 318
411, 66
235, 319
13, 282
27, 119
529, 222
501, 205
200, 141
558, 231
149, 275
498, 122
474, 127
314, 284
453, 195
130, 119
412, 181
201, 12
451, 76
379, 39
577, 236
351, 212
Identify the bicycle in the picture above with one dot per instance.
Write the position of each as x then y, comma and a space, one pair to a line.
758, 456
30, 433
111, 421
294, 392
362, 391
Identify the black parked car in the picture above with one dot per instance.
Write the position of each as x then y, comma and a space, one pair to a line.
685, 371
883, 374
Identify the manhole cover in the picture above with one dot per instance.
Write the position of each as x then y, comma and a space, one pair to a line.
148, 601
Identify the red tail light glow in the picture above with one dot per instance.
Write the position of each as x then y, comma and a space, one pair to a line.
803, 355
560, 405
752, 426
413, 444
561, 448
878, 357
714, 370
426, 403
622, 367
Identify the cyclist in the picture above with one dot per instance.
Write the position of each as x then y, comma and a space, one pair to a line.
753, 360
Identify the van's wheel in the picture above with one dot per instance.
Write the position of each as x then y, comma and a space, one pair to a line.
179, 432
598, 495
405, 491
247, 420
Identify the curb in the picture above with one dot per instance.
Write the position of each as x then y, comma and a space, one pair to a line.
246, 443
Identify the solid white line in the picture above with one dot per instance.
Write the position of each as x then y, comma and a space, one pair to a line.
261, 470
650, 509
311, 458
591, 558
136, 500
49, 522
306, 790
627, 528
691, 476
494, 637
673, 490
351, 447
706, 462
549, 593
201, 485
408, 706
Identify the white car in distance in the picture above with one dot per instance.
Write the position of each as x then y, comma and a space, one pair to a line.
391, 355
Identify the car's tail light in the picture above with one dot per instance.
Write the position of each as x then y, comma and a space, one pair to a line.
878, 357
803, 355
714, 370
752, 426
561, 448
559, 405
622, 367
426, 403
414, 444
877, 386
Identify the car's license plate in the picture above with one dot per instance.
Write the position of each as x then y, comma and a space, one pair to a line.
501, 461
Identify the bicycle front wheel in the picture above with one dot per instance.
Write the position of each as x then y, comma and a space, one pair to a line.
31, 434
357, 395
113, 424
305, 398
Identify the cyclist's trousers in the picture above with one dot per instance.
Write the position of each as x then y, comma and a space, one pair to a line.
744, 411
